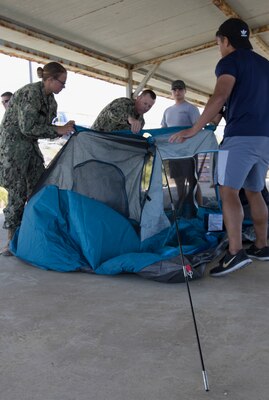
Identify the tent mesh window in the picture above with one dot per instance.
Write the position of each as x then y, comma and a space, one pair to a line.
104, 182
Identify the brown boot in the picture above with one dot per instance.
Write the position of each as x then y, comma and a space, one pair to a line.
5, 251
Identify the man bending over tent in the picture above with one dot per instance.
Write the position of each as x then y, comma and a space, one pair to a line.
125, 114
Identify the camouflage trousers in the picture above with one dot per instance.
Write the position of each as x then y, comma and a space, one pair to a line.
18, 192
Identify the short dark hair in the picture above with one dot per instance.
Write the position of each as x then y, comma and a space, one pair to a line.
178, 84
8, 94
150, 92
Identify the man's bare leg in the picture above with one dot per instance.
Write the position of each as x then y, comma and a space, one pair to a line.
233, 217
259, 215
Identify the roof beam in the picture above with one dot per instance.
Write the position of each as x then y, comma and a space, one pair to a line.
43, 58
229, 12
225, 8
145, 79
15, 26
13, 49
177, 54
261, 29
191, 50
164, 79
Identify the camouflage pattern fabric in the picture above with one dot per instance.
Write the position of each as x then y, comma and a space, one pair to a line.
18, 194
27, 119
114, 117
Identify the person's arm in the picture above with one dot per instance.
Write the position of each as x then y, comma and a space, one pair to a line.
135, 124
217, 119
118, 115
223, 89
35, 118
66, 129
121, 113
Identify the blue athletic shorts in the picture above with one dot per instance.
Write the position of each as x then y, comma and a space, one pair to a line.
243, 162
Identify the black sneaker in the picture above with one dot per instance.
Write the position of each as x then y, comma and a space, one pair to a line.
230, 263
260, 254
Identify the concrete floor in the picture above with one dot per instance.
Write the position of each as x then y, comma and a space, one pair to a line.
85, 337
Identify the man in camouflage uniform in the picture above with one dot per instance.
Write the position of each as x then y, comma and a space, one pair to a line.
28, 118
125, 113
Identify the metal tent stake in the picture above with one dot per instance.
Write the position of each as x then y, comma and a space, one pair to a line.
186, 275
187, 271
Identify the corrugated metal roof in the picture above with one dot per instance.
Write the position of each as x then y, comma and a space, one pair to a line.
130, 41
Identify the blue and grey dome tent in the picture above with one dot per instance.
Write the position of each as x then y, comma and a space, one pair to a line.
99, 208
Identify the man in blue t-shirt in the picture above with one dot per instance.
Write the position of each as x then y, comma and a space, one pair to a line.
243, 84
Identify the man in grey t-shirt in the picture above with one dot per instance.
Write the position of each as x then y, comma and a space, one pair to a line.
183, 113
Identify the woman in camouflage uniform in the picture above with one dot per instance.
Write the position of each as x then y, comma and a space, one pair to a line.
28, 118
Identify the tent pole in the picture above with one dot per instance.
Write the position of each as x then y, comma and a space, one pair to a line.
187, 270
